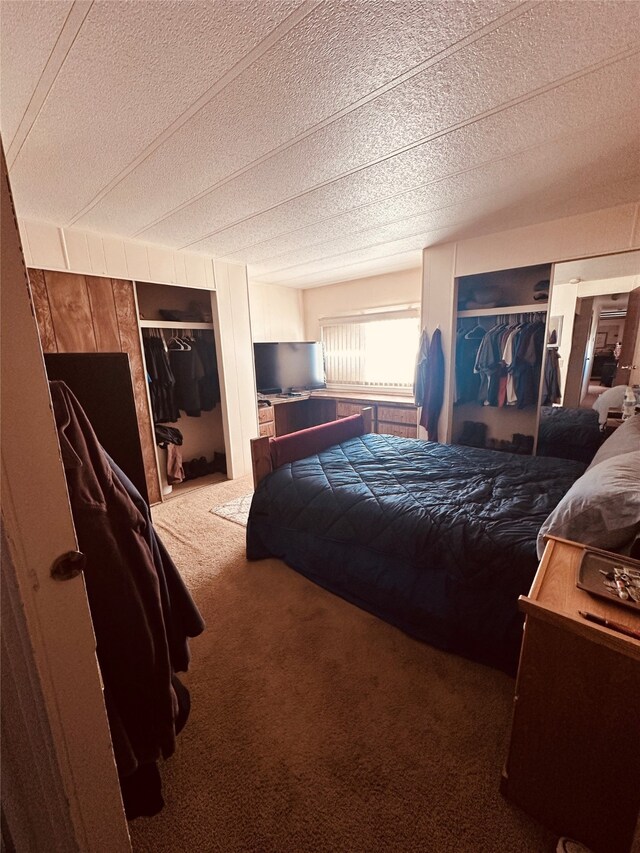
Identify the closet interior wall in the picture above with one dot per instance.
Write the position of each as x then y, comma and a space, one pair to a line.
169, 311
482, 301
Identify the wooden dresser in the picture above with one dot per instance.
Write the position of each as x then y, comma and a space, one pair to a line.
574, 754
391, 415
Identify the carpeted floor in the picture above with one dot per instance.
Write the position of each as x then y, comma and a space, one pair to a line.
317, 728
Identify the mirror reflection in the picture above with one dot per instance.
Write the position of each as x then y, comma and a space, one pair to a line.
592, 363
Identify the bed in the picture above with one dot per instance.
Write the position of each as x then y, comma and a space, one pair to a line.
439, 540
569, 433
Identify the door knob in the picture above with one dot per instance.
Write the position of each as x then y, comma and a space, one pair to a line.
627, 367
68, 566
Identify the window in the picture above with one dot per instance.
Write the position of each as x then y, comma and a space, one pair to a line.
376, 350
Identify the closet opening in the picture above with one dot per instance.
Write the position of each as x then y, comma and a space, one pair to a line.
181, 362
500, 342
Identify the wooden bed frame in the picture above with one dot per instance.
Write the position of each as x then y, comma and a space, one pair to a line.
305, 442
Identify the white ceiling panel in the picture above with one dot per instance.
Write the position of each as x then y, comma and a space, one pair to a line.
507, 64
328, 266
305, 137
554, 168
459, 215
542, 206
135, 67
28, 33
410, 259
548, 117
304, 80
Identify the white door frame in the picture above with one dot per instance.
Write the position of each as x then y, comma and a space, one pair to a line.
48, 644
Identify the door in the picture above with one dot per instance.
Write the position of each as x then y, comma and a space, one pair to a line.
102, 383
60, 787
581, 351
631, 335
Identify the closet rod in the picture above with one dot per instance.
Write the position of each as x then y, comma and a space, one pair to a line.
173, 324
504, 309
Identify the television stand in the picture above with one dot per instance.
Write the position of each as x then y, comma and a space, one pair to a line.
298, 410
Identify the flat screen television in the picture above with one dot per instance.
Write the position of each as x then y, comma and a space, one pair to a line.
289, 366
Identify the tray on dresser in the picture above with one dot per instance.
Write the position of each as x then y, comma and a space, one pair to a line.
613, 577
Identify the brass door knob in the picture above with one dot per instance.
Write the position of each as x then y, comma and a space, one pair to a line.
68, 566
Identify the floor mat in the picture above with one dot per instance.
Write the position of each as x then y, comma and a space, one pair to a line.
236, 510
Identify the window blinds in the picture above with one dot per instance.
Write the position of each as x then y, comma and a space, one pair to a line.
372, 350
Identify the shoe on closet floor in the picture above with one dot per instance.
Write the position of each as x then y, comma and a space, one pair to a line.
567, 845
474, 434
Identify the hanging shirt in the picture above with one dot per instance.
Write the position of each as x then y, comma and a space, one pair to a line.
467, 380
421, 376
188, 371
434, 391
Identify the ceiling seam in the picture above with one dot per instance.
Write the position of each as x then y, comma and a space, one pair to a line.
260, 279
418, 234
416, 70
63, 44
453, 174
507, 105
215, 89
404, 237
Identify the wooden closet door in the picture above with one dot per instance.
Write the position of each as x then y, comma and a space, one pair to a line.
78, 313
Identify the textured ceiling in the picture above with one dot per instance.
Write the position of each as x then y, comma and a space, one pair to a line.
314, 140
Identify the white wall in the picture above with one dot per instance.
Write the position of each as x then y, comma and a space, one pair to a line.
49, 246
232, 328
603, 287
377, 291
276, 313
602, 232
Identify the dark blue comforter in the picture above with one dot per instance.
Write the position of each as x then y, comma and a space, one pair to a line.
439, 540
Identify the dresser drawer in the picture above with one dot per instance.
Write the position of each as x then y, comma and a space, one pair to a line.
265, 414
398, 415
344, 410
268, 429
403, 430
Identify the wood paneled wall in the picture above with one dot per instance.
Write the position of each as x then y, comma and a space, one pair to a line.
83, 313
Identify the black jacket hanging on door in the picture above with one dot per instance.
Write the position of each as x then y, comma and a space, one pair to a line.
141, 614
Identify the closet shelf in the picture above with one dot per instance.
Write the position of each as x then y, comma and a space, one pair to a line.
537, 307
173, 324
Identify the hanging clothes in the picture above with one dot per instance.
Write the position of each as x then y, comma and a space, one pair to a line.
209, 384
170, 439
529, 347
551, 383
467, 381
161, 379
141, 611
420, 378
508, 362
433, 390
188, 371
489, 365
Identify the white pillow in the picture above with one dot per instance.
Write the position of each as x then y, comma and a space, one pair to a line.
624, 439
602, 508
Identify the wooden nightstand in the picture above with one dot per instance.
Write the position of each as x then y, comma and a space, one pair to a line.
574, 755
